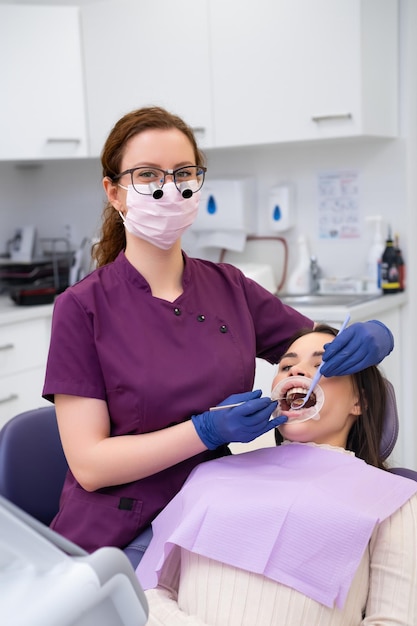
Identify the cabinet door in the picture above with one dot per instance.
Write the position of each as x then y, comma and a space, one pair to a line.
23, 352
42, 112
24, 345
139, 54
286, 70
21, 392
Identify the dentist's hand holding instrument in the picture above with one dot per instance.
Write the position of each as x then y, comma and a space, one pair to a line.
240, 418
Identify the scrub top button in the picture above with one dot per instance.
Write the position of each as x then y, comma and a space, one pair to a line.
201, 318
177, 311
223, 328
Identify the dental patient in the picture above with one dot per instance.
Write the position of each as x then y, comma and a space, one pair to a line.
312, 532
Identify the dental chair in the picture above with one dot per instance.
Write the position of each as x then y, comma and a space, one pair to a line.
45, 579
33, 469
32, 463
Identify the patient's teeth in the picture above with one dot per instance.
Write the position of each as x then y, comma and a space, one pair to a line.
294, 390
296, 395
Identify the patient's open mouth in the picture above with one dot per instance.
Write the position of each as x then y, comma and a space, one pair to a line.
290, 393
294, 397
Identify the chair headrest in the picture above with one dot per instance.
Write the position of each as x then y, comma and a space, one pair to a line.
391, 423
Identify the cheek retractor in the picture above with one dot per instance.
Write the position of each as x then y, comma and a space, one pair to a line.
285, 391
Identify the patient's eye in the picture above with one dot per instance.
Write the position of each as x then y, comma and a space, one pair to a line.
285, 365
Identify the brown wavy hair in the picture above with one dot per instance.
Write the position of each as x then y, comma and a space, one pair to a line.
112, 235
365, 435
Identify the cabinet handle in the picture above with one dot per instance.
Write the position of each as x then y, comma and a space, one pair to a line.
7, 346
199, 130
12, 396
332, 116
63, 140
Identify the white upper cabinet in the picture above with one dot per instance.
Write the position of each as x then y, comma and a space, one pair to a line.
289, 70
146, 53
42, 109
239, 73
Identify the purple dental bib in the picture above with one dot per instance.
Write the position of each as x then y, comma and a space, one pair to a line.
299, 514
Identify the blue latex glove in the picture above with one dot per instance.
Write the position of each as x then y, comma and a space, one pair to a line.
241, 423
360, 345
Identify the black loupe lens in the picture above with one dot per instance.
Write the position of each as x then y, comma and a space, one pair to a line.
157, 194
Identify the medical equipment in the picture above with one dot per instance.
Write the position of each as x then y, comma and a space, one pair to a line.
46, 580
224, 406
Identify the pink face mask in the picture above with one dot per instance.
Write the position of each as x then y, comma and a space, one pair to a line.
161, 222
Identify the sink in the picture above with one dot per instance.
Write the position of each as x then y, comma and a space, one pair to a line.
317, 299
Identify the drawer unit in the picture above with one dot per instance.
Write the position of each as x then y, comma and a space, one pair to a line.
23, 345
21, 392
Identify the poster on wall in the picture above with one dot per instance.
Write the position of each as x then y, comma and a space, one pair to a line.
338, 204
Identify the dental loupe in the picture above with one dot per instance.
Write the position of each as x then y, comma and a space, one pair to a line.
156, 191
289, 392
186, 190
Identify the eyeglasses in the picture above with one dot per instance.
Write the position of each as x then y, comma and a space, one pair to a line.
149, 181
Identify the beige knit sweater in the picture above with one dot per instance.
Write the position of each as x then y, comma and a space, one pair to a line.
196, 591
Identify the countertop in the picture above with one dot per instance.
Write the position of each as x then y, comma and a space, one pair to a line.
369, 309
11, 312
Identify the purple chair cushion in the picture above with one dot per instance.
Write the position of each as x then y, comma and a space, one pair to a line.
404, 471
391, 423
32, 463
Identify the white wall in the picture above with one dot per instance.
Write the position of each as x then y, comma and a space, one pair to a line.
56, 193
380, 165
408, 117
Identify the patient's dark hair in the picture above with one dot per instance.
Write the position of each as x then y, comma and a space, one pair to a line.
365, 436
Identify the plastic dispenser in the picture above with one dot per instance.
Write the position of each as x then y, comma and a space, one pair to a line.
299, 280
373, 265
280, 216
226, 205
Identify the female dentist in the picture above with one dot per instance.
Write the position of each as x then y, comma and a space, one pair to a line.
143, 346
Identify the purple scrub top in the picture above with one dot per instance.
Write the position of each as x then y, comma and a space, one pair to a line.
155, 363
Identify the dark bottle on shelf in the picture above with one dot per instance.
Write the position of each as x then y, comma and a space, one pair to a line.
390, 276
401, 263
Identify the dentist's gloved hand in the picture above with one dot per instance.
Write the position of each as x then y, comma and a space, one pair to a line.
359, 346
241, 423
